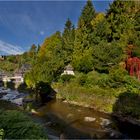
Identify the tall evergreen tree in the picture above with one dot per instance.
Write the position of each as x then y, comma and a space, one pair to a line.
68, 40
136, 50
137, 23
120, 18
83, 38
84, 30
100, 28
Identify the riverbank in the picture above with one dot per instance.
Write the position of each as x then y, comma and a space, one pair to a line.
61, 115
124, 121
56, 118
95, 98
117, 115
107, 100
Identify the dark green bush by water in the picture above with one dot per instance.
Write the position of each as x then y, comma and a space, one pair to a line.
17, 125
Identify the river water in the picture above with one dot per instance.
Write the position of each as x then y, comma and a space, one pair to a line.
67, 121
74, 122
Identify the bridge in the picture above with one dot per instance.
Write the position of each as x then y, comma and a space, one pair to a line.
16, 79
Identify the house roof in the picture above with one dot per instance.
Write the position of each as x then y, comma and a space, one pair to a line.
22, 69
26, 66
68, 67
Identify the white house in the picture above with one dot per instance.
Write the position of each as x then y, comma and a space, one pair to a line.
16, 79
6, 79
68, 70
2, 57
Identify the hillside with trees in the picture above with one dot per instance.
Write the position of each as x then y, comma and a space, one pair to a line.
98, 50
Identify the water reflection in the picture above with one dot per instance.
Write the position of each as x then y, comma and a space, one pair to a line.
77, 122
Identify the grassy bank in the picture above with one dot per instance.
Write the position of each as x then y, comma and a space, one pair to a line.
115, 92
17, 125
97, 98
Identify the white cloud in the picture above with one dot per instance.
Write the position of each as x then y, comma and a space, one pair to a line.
42, 32
7, 48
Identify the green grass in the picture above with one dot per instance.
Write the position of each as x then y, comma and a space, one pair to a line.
17, 125
115, 92
95, 97
117, 100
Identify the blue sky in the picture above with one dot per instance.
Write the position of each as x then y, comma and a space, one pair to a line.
23, 23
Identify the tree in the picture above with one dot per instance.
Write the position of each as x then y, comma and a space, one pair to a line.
38, 48
120, 18
84, 61
83, 39
136, 50
49, 63
106, 55
84, 30
33, 51
68, 37
100, 29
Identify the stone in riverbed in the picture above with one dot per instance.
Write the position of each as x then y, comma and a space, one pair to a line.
105, 122
69, 115
27, 100
89, 119
17, 101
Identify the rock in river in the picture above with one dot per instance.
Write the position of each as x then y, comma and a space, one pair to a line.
89, 119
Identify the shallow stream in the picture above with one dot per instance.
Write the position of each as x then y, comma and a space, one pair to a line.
70, 121
67, 121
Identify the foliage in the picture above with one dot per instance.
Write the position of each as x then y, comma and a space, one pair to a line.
50, 59
94, 97
82, 43
43, 88
100, 29
44, 91
8, 66
96, 48
120, 19
14, 62
83, 61
66, 78
30, 79
106, 55
17, 125
128, 105
1, 134
68, 38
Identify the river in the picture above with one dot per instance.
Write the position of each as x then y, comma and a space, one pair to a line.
64, 120
74, 122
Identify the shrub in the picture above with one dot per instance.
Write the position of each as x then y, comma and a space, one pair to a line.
132, 84
17, 125
66, 78
104, 80
128, 104
118, 74
81, 79
43, 89
92, 79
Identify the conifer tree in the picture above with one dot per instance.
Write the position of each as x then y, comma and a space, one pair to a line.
83, 39
68, 40
84, 30
120, 18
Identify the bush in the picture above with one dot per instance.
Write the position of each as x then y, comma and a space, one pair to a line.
17, 125
118, 74
104, 81
80, 79
132, 84
92, 79
66, 78
128, 105
43, 89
